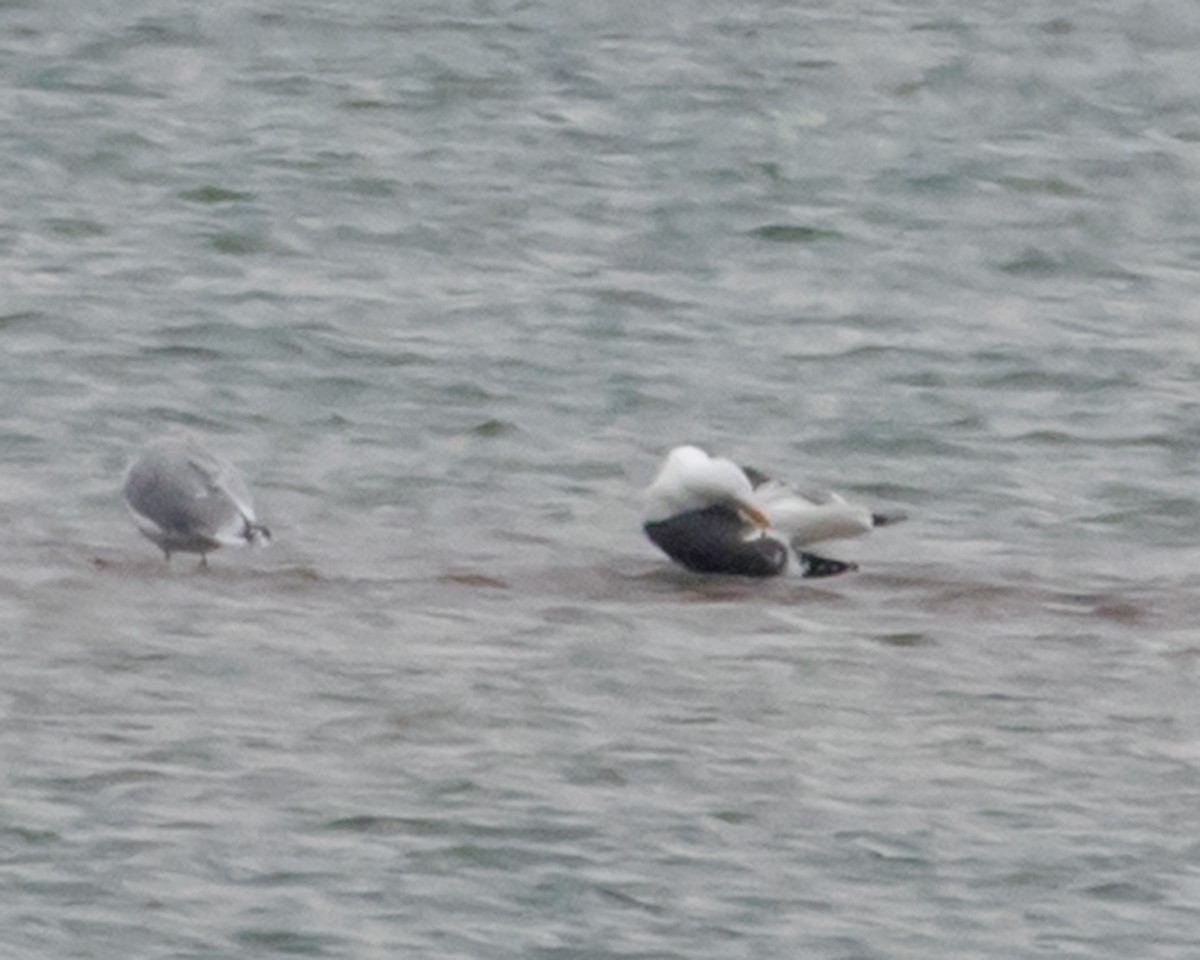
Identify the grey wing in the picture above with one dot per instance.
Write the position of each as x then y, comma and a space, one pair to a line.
169, 494
224, 508
222, 480
180, 489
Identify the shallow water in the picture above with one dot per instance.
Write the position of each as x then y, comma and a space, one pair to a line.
447, 281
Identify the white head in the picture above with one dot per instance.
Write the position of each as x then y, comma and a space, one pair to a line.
691, 480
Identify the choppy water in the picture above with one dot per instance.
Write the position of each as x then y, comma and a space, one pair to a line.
447, 279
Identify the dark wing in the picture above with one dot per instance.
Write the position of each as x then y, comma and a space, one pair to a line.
714, 540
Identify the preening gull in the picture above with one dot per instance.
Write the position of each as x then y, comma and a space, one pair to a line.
713, 516
188, 500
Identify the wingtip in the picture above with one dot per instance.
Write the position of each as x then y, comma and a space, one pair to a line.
812, 566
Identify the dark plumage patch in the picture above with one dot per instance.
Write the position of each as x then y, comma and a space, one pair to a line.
756, 477
813, 566
713, 540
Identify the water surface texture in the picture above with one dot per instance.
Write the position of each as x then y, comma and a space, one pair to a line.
446, 280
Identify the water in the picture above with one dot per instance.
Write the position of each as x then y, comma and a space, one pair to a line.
447, 280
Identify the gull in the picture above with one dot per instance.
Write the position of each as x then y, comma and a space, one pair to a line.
712, 516
188, 500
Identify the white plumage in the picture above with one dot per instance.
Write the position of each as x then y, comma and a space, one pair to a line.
690, 479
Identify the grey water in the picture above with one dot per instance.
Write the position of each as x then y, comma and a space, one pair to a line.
446, 280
